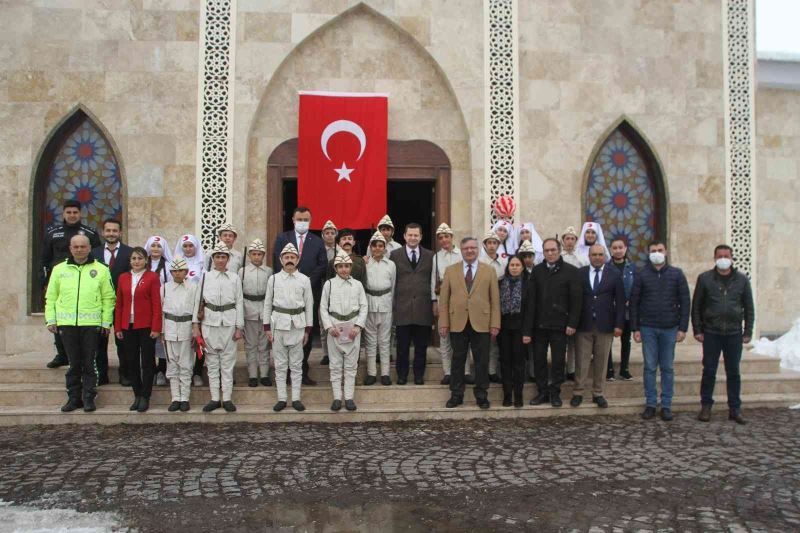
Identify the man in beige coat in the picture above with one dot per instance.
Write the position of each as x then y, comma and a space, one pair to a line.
469, 311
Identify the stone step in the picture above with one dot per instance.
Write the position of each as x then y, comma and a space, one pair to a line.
51, 395
320, 412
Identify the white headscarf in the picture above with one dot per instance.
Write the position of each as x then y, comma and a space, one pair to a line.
165, 252
196, 263
582, 248
509, 247
536, 240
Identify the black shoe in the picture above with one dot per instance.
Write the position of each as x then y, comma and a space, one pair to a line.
325, 360
648, 413
570, 376
57, 362
625, 375
336, 405
89, 405
402, 381
228, 406
419, 381
736, 416
666, 415
555, 400
308, 381
601, 402
174, 406
483, 404
386, 380
576, 401
539, 399
298, 405
350, 405
610, 376
135, 404
125, 382
102, 380
185, 406
144, 404
469, 379
445, 380
453, 402
506, 400
266, 381
211, 406
252, 382
518, 401
494, 378
280, 406
531, 379
71, 406
370, 380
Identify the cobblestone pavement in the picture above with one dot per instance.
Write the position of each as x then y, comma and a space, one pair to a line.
582, 474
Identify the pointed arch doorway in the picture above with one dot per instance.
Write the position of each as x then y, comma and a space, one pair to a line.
418, 189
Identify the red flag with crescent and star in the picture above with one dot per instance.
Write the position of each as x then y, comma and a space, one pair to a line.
342, 157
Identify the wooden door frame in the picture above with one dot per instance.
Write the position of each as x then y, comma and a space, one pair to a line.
416, 160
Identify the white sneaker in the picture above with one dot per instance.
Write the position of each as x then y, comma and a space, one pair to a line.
197, 381
161, 379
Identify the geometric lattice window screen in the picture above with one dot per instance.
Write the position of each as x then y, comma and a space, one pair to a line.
216, 115
502, 109
739, 54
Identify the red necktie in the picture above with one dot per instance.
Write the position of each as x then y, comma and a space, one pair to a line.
113, 257
300, 245
468, 278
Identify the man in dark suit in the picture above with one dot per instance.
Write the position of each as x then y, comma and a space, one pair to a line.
313, 261
117, 257
602, 319
412, 309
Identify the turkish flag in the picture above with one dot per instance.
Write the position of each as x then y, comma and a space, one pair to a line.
342, 158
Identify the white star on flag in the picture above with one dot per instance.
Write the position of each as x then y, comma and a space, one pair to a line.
344, 173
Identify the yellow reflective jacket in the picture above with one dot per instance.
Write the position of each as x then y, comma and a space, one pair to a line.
80, 295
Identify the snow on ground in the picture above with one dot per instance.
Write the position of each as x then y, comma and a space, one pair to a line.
787, 347
32, 519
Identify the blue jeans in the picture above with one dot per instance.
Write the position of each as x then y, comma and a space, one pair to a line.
658, 345
731, 347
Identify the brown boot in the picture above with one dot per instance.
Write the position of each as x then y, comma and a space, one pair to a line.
705, 414
736, 416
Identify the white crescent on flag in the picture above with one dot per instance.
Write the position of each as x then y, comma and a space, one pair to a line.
346, 126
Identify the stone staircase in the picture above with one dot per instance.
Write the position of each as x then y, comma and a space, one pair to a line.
32, 394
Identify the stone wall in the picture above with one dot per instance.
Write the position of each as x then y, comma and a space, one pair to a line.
778, 201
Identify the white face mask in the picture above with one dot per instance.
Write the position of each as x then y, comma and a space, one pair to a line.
301, 226
657, 258
723, 263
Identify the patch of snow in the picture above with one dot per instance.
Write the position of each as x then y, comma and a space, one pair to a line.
32, 519
787, 347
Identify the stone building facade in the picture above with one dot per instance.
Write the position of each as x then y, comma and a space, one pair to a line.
192, 98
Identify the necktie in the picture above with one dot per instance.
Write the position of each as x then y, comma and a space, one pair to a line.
300, 245
414, 259
113, 257
468, 278
596, 281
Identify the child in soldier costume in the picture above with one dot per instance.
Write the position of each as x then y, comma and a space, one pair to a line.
288, 318
177, 305
227, 234
386, 228
381, 275
343, 311
219, 315
254, 278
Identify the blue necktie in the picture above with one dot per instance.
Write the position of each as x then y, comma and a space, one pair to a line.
596, 281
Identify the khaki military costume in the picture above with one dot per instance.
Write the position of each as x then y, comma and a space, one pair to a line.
381, 276
177, 306
254, 287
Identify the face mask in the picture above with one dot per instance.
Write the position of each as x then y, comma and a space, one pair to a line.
301, 226
657, 258
723, 263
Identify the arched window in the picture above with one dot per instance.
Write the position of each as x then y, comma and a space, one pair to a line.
625, 192
77, 162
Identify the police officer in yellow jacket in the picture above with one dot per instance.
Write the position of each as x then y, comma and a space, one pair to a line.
79, 304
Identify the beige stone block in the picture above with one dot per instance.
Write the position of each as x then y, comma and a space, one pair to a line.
711, 189
29, 86
704, 103
781, 168
187, 25
103, 24
272, 27
185, 151
174, 87
154, 25
145, 180
597, 39
704, 132
664, 101
645, 42
418, 27
90, 55
49, 56
655, 13
553, 66
303, 24
181, 56
595, 68
179, 5
57, 24
405, 95
174, 212
538, 35
16, 21
709, 74
697, 16
179, 180
540, 95
139, 218
129, 86
140, 56
148, 149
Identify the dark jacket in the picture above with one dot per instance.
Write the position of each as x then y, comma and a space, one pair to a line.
660, 298
412, 290
604, 308
628, 274
122, 261
515, 320
55, 247
313, 261
721, 303
557, 294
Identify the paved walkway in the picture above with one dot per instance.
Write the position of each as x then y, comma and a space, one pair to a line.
600, 474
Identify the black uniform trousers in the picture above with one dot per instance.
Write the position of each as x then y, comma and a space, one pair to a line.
80, 343
556, 339
420, 336
139, 361
513, 355
101, 360
462, 342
